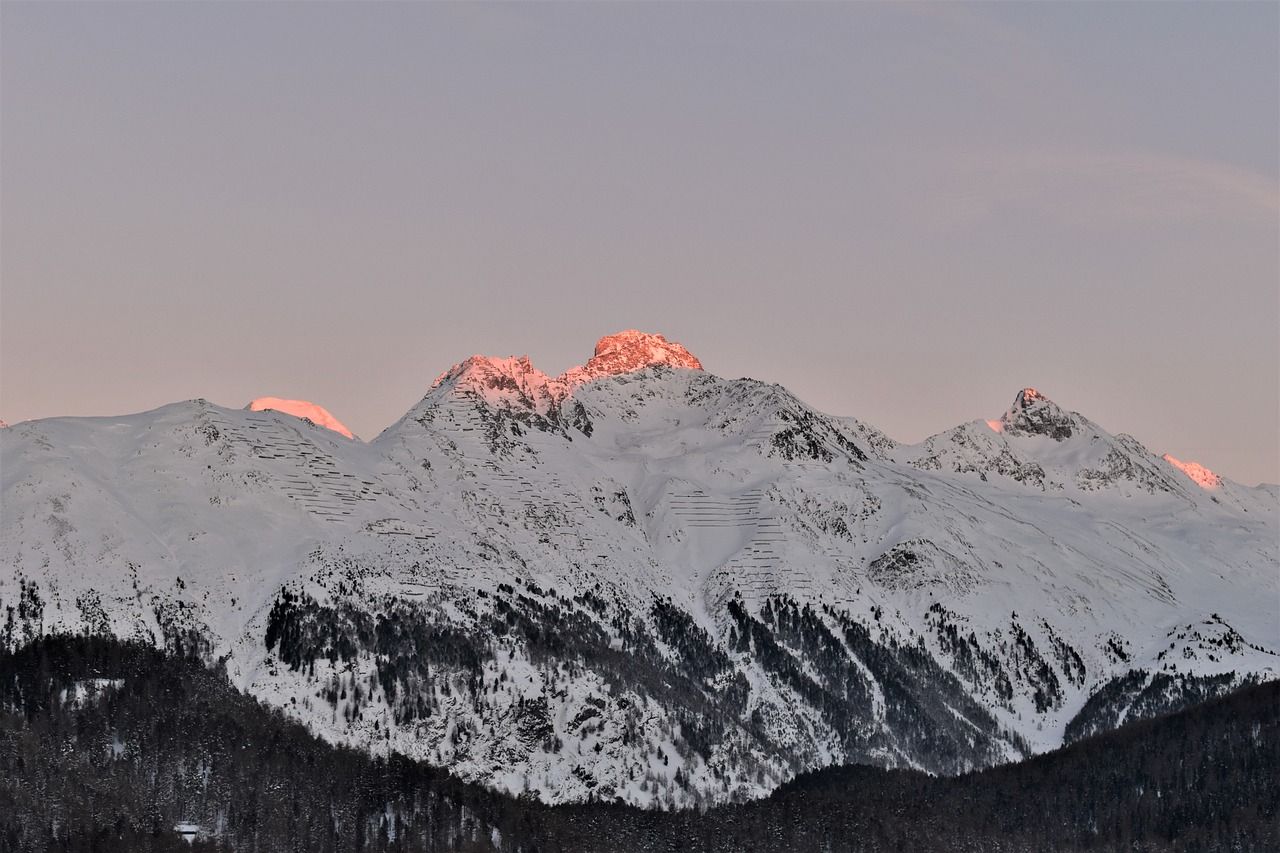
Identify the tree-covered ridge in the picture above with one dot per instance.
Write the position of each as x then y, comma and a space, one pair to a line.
104, 746
665, 689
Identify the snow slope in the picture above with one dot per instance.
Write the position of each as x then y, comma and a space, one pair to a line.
317, 414
638, 580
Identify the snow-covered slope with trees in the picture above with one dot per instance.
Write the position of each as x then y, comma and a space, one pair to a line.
638, 580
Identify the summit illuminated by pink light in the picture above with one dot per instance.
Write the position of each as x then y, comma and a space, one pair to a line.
317, 414
1202, 476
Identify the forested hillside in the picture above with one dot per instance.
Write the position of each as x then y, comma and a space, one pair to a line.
104, 746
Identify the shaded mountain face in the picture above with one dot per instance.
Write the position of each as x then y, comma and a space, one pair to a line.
641, 581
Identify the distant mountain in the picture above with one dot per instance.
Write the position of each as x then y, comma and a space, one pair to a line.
641, 581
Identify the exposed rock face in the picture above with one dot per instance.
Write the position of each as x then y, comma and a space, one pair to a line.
1040, 444
632, 350
518, 380
511, 381
1032, 413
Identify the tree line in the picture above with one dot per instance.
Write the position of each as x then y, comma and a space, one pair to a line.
106, 745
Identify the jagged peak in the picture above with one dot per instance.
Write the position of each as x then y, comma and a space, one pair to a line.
313, 412
1032, 413
625, 352
518, 368
1200, 475
1029, 395
632, 350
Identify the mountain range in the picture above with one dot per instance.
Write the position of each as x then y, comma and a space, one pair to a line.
638, 581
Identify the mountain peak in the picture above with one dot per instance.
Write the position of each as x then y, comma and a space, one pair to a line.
317, 414
1032, 413
1200, 475
1028, 396
624, 352
631, 350
489, 365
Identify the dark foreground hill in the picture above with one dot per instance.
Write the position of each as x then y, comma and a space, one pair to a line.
104, 746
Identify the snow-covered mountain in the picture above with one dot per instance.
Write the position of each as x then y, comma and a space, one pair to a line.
642, 581
317, 414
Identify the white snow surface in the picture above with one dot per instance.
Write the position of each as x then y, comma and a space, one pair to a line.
313, 412
194, 517
1199, 474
